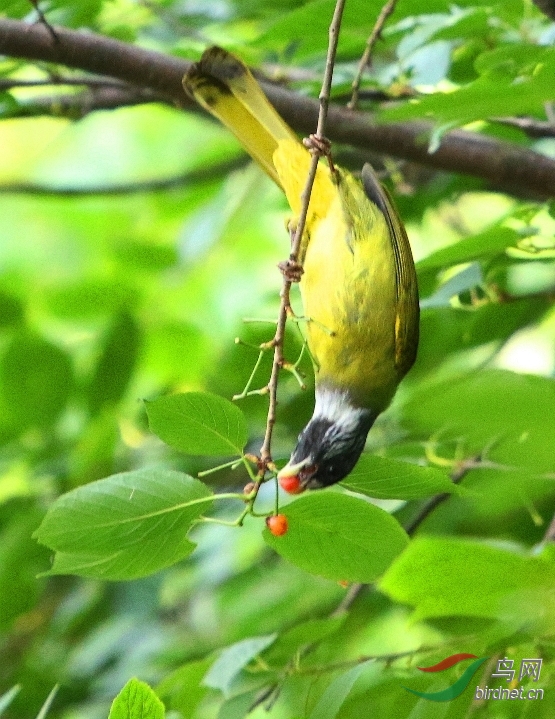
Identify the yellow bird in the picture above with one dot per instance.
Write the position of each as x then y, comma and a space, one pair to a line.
359, 286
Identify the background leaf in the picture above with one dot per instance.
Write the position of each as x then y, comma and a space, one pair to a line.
233, 659
386, 478
124, 526
338, 537
137, 701
448, 577
198, 423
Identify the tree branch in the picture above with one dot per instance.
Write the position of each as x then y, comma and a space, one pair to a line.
365, 60
514, 169
203, 174
546, 6
78, 104
285, 306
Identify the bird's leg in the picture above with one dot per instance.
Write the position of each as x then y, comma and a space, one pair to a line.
321, 146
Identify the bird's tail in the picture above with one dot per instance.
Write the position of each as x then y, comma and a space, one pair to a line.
224, 86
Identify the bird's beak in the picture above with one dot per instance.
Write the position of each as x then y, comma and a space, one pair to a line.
293, 470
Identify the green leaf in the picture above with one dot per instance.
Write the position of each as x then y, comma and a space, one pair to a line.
86, 298
338, 537
299, 636
386, 478
20, 560
233, 659
302, 29
115, 367
7, 698
333, 698
11, 310
48, 703
125, 526
181, 690
488, 96
123, 564
36, 379
137, 701
443, 577
486, 244
198, 423
506, 410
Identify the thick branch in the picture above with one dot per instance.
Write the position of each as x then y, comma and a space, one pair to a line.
546, 6
509, 167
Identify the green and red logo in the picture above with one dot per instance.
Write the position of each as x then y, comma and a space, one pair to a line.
460, 685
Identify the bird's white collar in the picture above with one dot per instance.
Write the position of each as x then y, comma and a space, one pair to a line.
335, 406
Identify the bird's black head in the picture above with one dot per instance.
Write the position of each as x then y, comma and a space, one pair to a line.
328, 449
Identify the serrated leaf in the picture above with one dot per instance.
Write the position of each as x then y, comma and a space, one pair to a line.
457, 577
137, 701
386, 478
488, 96
198, 423
126, 525
233, 659
339, 537
124, 564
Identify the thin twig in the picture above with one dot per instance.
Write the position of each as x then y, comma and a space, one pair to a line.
44, 21
201, 174
505, 166
387, 658
457, 475
365, 60
549, 535
9, 83
528, 125
265, 450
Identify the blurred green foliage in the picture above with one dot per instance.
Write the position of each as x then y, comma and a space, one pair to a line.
130, 252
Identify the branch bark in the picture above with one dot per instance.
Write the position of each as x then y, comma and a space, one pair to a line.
546, 6
514, 169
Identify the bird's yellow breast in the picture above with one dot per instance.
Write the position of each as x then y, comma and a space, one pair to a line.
348, 291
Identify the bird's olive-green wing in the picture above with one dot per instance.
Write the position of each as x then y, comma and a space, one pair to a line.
407, 311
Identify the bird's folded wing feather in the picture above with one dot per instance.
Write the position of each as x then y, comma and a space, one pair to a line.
407, 310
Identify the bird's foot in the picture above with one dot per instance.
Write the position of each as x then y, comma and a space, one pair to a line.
291, 270
321, 146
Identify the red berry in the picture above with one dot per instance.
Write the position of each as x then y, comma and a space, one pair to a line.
277, 524
291, 484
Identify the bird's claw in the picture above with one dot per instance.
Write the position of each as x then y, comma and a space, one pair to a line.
321, 146
291, 270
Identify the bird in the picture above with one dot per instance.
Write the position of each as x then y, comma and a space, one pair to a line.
358, 284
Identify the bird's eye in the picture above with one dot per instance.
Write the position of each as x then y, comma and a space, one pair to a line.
307, 472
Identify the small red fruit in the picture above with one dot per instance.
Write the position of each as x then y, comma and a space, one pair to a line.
291, 484
277, 524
